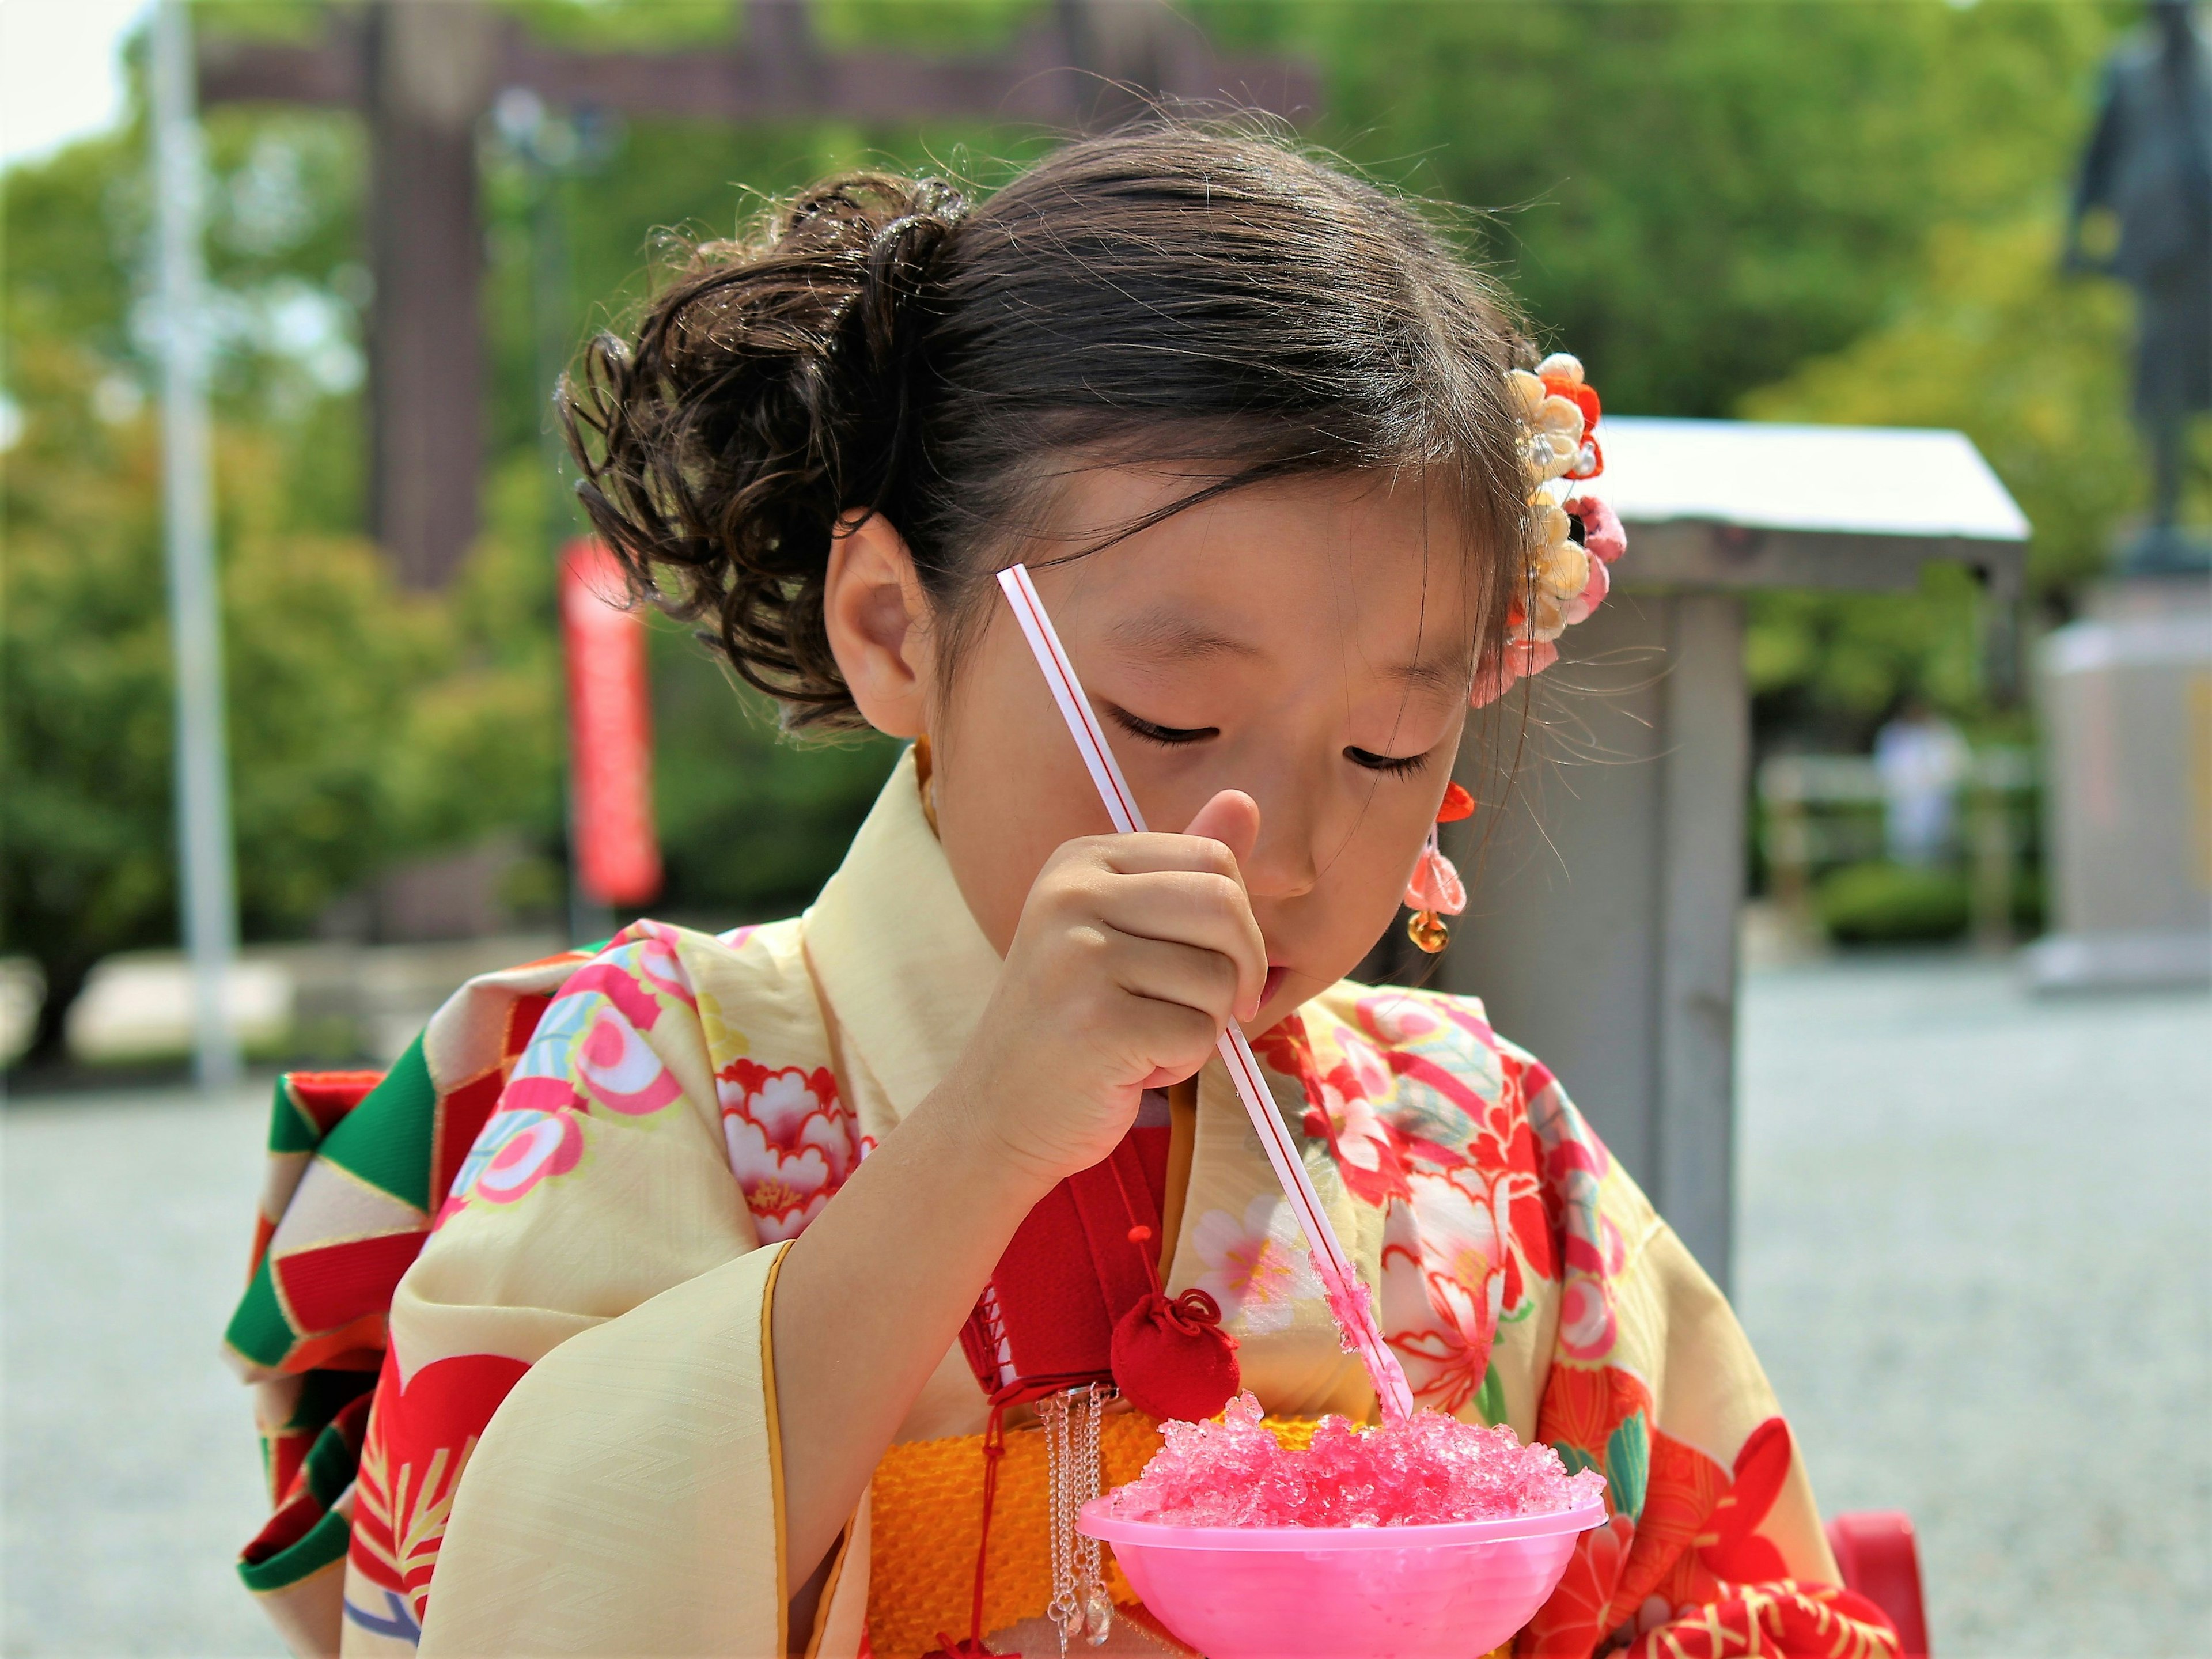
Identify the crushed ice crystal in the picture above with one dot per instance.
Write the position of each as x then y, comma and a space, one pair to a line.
1434, 1468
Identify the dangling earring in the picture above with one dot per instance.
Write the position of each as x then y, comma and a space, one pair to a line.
1436, 890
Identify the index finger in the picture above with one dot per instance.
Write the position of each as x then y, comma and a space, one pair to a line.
1154, 850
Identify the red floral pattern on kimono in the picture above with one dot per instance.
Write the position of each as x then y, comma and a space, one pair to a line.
791, 1144
1426, 1116
791, 1141
588, 1053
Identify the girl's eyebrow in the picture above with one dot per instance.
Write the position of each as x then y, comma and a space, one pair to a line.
1442, 679
1164, 637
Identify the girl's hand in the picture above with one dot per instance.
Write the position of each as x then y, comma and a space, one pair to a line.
1133, 955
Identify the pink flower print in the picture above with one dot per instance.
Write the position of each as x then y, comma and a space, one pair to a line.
1341, 1107
657, 964
536, 1094
1395, 1018
609, 976
1437, 1365
1464, 1247
1252, 1271
1463, 1012
619, 1068
1570, 1143
790, 1139
1362, 1066
516, 1151
1586, 1320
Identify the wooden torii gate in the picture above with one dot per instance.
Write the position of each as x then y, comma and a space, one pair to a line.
424, 72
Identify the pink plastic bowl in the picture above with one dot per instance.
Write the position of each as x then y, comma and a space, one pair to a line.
1453, 1591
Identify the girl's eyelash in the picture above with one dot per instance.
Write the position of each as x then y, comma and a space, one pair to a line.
1396, 766
1175, 737
1168, 737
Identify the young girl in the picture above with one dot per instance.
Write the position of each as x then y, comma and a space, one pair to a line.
735, 1324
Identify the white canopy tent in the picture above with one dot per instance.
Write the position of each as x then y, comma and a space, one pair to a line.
1601, 929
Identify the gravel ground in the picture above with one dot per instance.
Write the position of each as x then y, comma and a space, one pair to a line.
128, 1468
1973, 1255
1977, 1237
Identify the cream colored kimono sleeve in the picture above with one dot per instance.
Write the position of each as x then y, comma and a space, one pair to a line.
626, 1498
574, 1447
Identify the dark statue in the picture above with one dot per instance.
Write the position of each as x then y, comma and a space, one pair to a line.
2149, 163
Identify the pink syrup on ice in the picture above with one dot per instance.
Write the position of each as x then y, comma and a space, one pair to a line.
1430, 1469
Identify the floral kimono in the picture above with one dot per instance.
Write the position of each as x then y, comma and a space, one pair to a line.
571, 1440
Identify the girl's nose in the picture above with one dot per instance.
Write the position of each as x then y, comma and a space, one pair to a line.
1283, 864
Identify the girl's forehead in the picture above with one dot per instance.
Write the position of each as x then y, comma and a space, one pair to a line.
1162, 640
1281, 567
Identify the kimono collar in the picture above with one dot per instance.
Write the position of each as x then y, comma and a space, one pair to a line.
899, 961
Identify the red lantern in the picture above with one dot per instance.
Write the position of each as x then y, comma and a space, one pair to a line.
610, 730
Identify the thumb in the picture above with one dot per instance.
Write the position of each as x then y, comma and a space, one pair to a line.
1231, 817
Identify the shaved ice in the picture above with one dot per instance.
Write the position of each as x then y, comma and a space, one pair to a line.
1432, 1469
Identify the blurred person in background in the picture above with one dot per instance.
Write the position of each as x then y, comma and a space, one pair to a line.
1923, 762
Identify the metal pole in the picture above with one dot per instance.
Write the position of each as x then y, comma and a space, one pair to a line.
210, 906
589, 918
545, 145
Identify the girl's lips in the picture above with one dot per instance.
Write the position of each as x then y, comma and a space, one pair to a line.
1277, 972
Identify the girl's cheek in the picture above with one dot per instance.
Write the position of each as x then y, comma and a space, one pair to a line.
1360, 890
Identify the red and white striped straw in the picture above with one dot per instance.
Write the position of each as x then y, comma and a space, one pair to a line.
1348, 1297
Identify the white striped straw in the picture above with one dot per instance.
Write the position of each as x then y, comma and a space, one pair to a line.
1348, 1297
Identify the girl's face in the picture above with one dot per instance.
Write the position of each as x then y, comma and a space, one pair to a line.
1310, 642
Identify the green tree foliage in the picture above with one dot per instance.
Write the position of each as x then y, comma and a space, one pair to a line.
1697, 198
364, 724
751, 826
2033, 367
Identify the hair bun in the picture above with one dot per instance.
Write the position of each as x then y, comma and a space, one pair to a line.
901, 260
766, 395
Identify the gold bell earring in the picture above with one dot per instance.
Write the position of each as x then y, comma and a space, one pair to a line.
1436, 890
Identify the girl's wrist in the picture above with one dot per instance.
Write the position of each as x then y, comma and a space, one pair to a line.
989, 1167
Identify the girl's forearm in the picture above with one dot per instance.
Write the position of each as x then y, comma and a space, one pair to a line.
867, 1301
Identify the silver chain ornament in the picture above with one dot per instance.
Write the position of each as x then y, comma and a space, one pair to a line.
1079, 1605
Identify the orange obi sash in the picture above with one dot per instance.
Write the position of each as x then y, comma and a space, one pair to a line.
926, 1515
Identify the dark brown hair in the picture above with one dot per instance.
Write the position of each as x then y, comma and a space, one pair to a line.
1170, 292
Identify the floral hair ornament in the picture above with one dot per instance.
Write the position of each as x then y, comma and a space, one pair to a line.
1436, 890
1573, 537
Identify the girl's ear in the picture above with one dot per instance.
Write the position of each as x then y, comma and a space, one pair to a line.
877, 615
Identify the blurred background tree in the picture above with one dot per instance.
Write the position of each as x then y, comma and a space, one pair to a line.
366, 725
1810, 210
